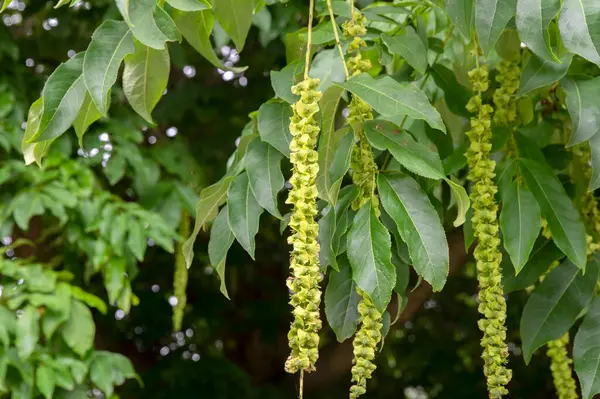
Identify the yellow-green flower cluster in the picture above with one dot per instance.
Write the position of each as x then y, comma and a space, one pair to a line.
180, 279
560, 364
355, 29
485, 225
505, 102
365, 345
304, 264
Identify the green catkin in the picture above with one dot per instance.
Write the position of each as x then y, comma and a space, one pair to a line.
560, 365
365, 345
304, 264
362, 161
505, 102
485, 225
180, 278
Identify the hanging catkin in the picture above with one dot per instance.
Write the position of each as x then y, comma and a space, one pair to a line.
487, 254
180, 278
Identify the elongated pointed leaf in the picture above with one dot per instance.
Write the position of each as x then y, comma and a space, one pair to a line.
583, 107
62, 96
282, 81
409, 46
586, 352
235, 17
139, 15
221, 238
418, 224
539, 73
274, 125
27, 331
554, 306
461, 14
462, 202
87, 115
196, 28
370, 254
190, 5
263, 164
79, 330
579, 28
491, 17
533, 19
111, 42
328, 141
413, 156
341, 302
4, 5
595, 149
326, 236
328, 67
393, 100
544, 253
145, 78
520, 221
564, 221
456, 95
206, 211
33, 123
244, 213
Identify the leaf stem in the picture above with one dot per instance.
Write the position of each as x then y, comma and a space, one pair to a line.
337, 38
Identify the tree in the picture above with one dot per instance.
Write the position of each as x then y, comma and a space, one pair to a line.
384, 116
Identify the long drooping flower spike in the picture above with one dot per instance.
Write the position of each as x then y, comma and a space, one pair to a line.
485, 225
304, 263
505, 101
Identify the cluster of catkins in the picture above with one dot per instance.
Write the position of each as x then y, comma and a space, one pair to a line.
560, 365
505, 102
365, 345
362, 161
364, 173
487, 254
304, 263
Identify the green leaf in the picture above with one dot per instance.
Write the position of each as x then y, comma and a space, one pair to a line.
5, 4
221, 238
555, 305
370, 253
341, 301
110, 369
27, 331
263, 164
408, 45
418, 224
62, 96
461, 14
579, 30
456, 95
393, 100
282, 81
145, 78
33, 125
340, 164
206, 211
595, 149
111, 42
117, 233
274, 125
136, 240
190, 5
139, 15
90, 300
196, 28
326, 236
26, 205
459, 194
586, 352
244, 213
539, 73
328, 140
79, 331
564, 221
114, 278
87, 115
533, 19
520, 221
235, 17
413, 156
491, 17
583, 107
44, 380
53, 318
327, 66
543, 255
